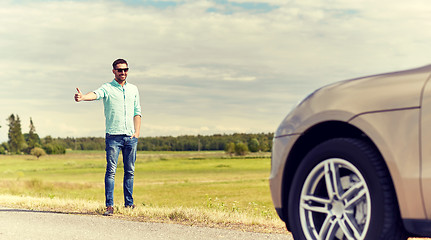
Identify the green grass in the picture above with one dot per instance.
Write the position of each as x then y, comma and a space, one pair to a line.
201, 182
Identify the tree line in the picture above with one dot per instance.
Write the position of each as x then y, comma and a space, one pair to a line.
237, 143
28, 143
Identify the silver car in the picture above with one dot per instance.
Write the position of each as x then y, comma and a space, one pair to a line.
353, 160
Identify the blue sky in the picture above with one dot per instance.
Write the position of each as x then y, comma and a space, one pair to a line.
202, 67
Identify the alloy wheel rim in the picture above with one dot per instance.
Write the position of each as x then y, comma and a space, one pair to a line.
335, 202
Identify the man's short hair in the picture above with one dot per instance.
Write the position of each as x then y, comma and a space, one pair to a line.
119, 61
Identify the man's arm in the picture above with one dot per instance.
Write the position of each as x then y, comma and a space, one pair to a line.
87, 97
137, 124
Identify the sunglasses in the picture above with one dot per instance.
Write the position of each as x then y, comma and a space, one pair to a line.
122, 69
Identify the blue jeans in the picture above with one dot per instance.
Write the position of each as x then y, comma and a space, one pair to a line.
127, 145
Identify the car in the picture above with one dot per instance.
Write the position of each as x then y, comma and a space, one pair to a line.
353, 159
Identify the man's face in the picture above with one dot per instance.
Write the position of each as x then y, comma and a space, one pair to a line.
120, 72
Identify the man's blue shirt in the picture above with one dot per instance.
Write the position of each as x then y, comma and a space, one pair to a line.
121, 105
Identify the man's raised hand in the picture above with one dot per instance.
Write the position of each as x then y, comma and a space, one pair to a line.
84, 97
78, 96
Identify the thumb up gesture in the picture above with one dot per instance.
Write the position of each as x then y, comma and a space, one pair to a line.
78, 96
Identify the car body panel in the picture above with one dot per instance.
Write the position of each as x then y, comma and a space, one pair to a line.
284, 143
346, 99
400, 148
378, 106
426, 147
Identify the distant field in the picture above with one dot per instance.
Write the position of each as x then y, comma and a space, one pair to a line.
190, 187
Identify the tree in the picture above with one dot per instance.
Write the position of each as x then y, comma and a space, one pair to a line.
253, 145
241, 149
48, 139
4, 148
32, 138
264, 146
230, 148
16, 139
54, 146
38, 152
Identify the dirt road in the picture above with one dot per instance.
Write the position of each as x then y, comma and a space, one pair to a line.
25, 224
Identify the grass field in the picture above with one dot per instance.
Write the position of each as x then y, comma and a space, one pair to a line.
198, 188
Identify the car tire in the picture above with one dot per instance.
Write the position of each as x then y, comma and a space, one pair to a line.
342, 190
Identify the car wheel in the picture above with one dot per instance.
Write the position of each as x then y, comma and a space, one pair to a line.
342, 190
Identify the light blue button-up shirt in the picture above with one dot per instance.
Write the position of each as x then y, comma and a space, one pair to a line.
121, 105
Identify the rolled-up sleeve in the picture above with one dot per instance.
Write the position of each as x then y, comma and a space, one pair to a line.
100, 92
137, 104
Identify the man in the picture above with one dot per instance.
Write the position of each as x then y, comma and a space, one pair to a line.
123, 122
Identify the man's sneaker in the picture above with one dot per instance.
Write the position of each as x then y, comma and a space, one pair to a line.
130, 206
109, 211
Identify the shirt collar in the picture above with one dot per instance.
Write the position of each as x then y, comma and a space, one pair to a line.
115, 83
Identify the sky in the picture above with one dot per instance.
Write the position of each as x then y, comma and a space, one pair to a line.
202, 67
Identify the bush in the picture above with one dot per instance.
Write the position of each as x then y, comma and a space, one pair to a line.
2, 150
230, 148
254, 145
53, 148
38, 152
241, 149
